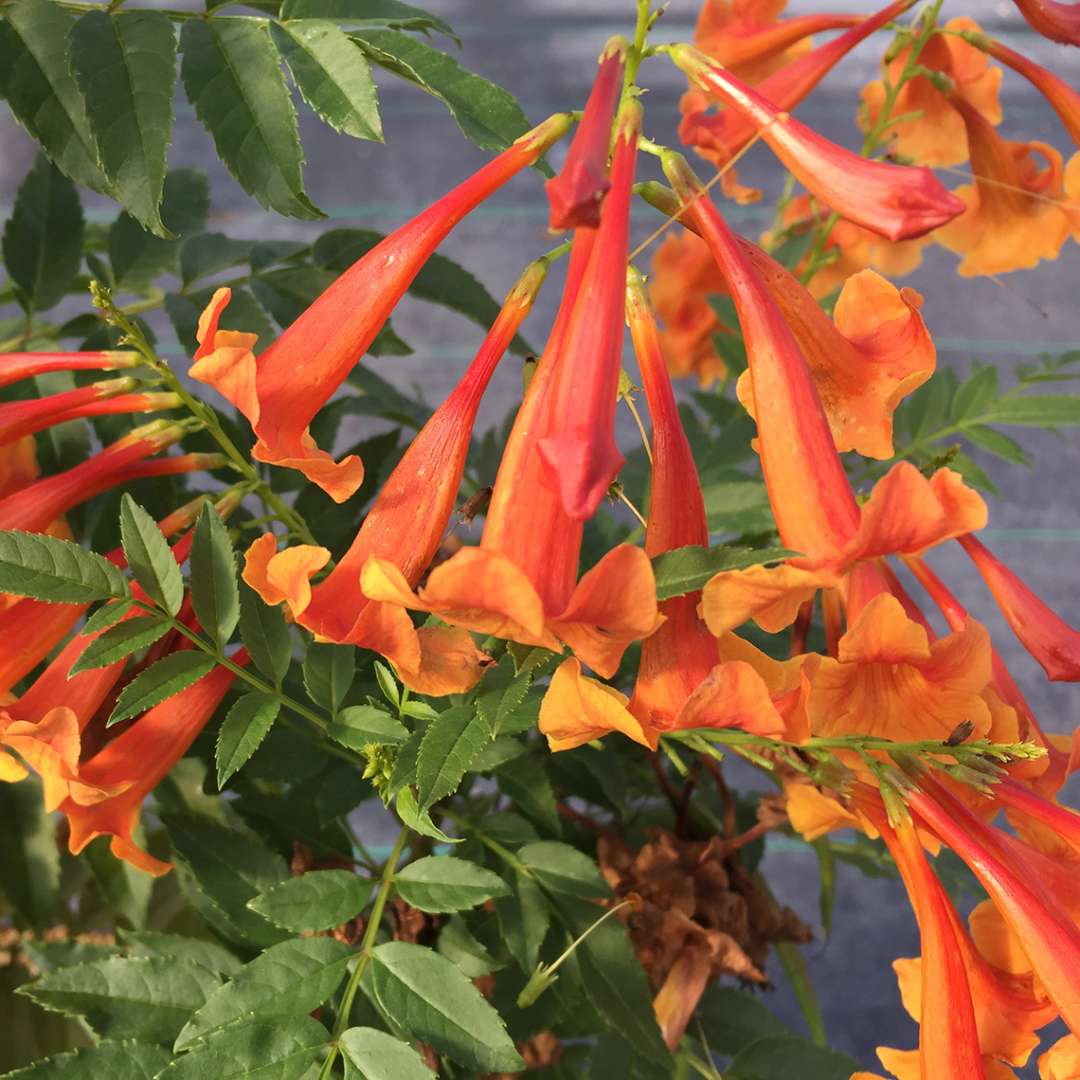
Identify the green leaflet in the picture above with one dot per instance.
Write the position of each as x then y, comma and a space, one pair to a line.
332, 74
245, 726
379, 1056
441, 883
317, 900
125, 63
283, 1049
292, 978
231, 75
162, 680
55, 570
686, 569
43, 237
41, 90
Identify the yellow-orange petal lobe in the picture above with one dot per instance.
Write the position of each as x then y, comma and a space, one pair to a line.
889, 680
613, 604
732, 695
577, 709
283, 576
771, 596
450, 662
814, 814
1062, 1060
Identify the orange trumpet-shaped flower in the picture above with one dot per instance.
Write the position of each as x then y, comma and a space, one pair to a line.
576, 193
400, 535
1036, 898
1057, 21
721, 136
32, 508
285, 387
812, 500
948, 1035
511, 585
896, 201
579, 447
864, 361
927, 128
107, 798
748, 36
20, 418
1063, 99
15, 367
1016, 212
1049, 639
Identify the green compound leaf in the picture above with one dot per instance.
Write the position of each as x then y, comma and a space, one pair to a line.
317, 900
232, 77
284, 1049
57, 571
245, 726
41, 90
379, 1056
115, 1060
214, 593
125, 63
427, 996
145, 998
162, 680
440, 883
43, 237
688, 568
149, 556
292, 978
487, 114
332, 75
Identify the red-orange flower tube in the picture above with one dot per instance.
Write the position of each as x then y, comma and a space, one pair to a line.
895, 201
724, 134
32, 508
1008, 871
811, 496
1047, 636
112, 397
677, 658
1063, 99
579, 448
401, 533
576, 193
1057, 21
282, 391
17, 366
134, 763
748, 36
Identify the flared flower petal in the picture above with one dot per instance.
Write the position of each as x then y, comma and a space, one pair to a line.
875, 353
579, 448
1052, 19
14, 367
1014, 213
896, 201
576, 193
576, 710
927, 128
732, 695
282, 390
889, 680
770, 595
1062, 1060
1049, 639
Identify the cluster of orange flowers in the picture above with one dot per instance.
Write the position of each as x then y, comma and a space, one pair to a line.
815, 386
1022, 205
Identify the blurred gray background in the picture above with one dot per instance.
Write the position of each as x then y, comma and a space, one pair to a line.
544, 52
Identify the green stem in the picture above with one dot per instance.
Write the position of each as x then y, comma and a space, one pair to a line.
637, 48
386, 887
